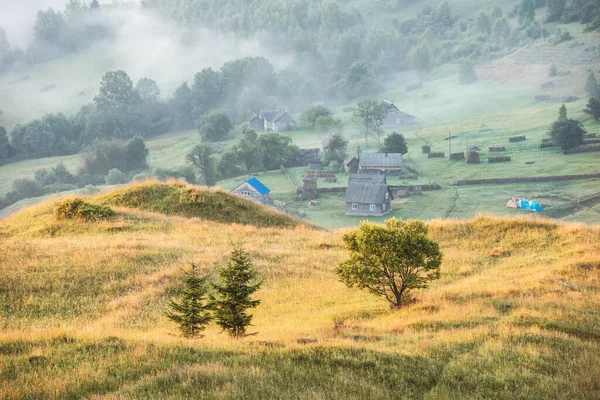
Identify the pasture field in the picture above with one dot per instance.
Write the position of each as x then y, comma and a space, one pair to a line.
514, 315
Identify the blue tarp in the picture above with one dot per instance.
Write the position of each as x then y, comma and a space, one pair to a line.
531, 205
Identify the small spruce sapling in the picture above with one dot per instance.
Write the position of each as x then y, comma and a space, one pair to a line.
237, 281
192, 312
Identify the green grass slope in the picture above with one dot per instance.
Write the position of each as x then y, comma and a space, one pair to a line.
180, 199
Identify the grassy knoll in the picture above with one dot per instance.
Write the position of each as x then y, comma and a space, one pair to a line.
175, 198
514, 315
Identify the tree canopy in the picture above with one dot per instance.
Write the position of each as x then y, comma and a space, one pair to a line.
368, 116
390, 260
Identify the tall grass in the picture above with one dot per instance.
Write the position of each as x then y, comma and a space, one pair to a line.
515, 314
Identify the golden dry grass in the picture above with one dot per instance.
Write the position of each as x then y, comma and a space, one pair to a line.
515, 299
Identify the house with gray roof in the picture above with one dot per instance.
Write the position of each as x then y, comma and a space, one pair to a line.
395, 117
368, 195
379, 162
276, 120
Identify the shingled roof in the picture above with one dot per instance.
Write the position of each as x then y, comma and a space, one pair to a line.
380, 160
367, 178
366, 193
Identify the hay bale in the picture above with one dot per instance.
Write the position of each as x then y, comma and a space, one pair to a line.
495, 149
499, 159
517, 139
413, 86
436, 155
547, 85
589, 135
457, 156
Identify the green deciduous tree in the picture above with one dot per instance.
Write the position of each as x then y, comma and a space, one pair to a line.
394, 143
337, 148
191, 312
327, 123
368, 116
526, 12
309, 115
117, 94
201, 158
274, 150
567, 134
421, 59
237, 282
593, 108
148, 90
115, 177
215, 126
390, 260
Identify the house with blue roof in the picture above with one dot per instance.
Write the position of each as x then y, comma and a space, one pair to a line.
254, 189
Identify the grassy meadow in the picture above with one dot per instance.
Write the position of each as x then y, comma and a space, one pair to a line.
514, 315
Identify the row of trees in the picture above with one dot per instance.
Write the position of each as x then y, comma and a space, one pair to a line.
106, 162
252, 152
122, 110
56, 33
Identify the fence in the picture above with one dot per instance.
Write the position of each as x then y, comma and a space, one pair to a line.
436, 155
582, 150
525, 180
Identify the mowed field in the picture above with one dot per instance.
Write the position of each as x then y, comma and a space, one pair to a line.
514, 315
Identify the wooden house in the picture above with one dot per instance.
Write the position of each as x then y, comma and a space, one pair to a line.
368, 195
253, 189
351, 164
395, 117
379, 162
276, 120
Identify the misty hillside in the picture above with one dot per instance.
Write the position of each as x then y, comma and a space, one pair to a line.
85, 85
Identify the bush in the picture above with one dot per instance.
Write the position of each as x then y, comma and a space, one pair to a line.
426, 149
115, 177
82, 210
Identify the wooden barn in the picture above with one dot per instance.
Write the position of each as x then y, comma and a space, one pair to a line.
472, 156
351, 164
379, 162
395, 117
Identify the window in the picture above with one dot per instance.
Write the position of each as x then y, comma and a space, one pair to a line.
387, 195
383, 207
372, 207
355, 206
246, 193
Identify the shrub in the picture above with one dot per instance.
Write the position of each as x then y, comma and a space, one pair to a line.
426, 149
115, 177
82, 210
